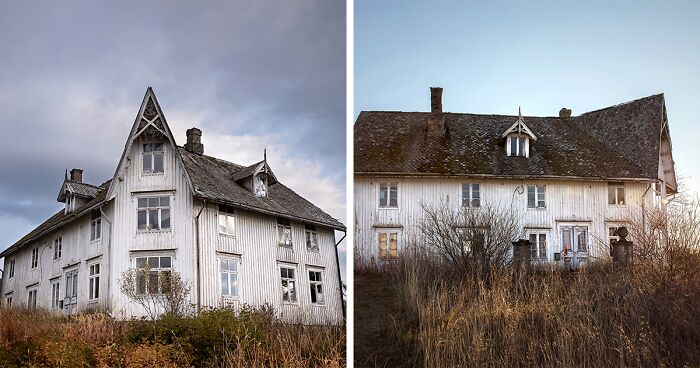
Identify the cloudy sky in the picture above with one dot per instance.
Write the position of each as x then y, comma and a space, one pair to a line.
250, 74
493, 56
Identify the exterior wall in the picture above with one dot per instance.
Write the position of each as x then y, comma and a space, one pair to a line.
255, 244
78, 252
568, 202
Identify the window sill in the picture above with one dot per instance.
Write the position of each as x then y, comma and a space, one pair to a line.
536, 208
291, 303
153, 231
95, 241
153, 173
286, 246
318, 305
314, 250
387, 208
229, 236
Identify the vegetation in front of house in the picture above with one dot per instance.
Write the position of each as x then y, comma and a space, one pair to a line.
214, 338
444, 313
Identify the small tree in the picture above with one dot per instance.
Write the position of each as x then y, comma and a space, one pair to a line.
156, 291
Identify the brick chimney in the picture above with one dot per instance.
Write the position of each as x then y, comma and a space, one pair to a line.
76, 175
564, 113
436, 123
194, 141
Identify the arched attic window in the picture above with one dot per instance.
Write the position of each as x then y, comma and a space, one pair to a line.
518, 138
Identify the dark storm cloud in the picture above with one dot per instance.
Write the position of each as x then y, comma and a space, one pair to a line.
73, 73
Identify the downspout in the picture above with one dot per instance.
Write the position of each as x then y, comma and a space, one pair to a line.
196, 238
644, 214
340, 280
109, 258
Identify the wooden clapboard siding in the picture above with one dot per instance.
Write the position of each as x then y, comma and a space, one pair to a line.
568, 202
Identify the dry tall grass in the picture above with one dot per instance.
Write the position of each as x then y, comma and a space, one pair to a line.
216, 338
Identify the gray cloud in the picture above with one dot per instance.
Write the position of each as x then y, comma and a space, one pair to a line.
73, 73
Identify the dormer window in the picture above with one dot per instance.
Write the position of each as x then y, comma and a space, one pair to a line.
518, 145
518, 138
260, 185
152, 158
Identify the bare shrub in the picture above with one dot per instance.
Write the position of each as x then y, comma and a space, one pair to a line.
156, 291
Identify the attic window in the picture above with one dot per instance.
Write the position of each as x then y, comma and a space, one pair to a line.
260, 185
518, 145
153, 158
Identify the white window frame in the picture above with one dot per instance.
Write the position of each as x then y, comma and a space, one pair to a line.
229, 274
538, 245
388, 233
31, 298
523, 151
294, 279
315, 284
311, 237
470, 195
616, 187
391, 187
152, 153
157, 269
226, 214
57, 248
540, 196
94, 281
55, 293
12, 269
71, 288
34, 261
286, 225
260, 185
96, 228
150, 207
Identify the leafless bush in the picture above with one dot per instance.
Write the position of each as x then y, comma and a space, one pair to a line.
156, 291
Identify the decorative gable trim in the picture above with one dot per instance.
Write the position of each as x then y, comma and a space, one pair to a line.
519, 127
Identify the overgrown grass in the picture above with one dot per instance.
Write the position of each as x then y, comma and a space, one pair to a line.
597, 317
216, 338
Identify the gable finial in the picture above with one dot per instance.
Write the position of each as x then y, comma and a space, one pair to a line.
265, 154
66, 175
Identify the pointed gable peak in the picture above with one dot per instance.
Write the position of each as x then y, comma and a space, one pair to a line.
519, 127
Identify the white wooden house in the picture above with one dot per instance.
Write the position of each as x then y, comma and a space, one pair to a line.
235, 234
572, 179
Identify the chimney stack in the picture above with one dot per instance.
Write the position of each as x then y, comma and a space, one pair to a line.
76, 175
436, 122
564, 113
194, 141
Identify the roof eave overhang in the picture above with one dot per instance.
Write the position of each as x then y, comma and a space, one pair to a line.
492, 176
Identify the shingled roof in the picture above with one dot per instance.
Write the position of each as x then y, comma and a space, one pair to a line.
82, 189
212, 179
619, 142
60, 219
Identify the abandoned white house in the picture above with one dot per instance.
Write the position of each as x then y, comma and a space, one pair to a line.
234, 233
572, 180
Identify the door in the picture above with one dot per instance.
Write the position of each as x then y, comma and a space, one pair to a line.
574, 246
71, 300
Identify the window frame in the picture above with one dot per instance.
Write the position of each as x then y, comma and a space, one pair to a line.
286, 224
616, 188
152, 153
313, 284
389, 186
96, 227
12, 269
537, 192
71, 287
311, 234
57, 248
471, 198
237, 272
227, 213
160, 208
159, 269
295, 279
34, 261
94, 270
8, 299
387, 252
55, 293
31, 301
520, 150
538, 245
260, 182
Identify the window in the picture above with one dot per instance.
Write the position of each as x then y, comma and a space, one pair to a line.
538, 246
153, 275
316, 284
388, 196
95, 226
289, 284
94, 280
31, 299
311, 237
153, 158
536, 196
388, 245
55, 294
35, 257
228, 271
471, 196
616, 193
12, 269
260, 185
57, 248
226, 220
8, 301
71, 287
284, 232
472, 239
612, 236
153, 213
517, 145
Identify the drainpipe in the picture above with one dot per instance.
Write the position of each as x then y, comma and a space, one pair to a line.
644, 215
196, 238
109, 255
340, 280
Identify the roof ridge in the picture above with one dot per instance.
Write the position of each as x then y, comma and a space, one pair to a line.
623, 103
216, 158
84, 183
